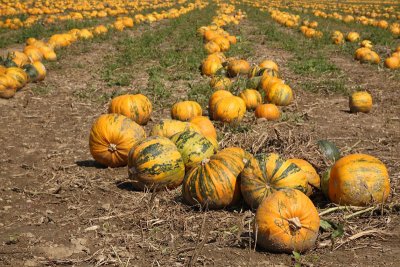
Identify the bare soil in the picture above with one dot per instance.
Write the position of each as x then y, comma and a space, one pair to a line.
59, 207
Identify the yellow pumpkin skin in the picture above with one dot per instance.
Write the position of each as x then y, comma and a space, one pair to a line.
287, 221
136, 107
229, 109
358, 180
214, 98
360, 102
222, 42
267, 81
2, 70
168, 128
19, 76
186, 110
19, 58
111, 138
33, 53
220, 83
214, 184
205, 126
6, 92
156, 162
212, 47
41, 70
267, 173
252, 98
352, 37
269, 64
313, 179
237, 67
268, 111
209, 67
279, 94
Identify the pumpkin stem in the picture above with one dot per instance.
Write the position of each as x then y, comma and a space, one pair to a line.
294, 224
112, 148
205, 161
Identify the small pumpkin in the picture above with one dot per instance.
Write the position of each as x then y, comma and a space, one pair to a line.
33, 53
156, 162
5, 90
313, 179
136, 107
186, 110
392, 62
229, 109
194, 147
212, 47
358, 180
237, 67
214, 183
353, 37
214, 98
111, 138
287, 221
269, 64
19, 58
168, 128
268, 111
222, 42
267, 173
210, 67
360, 102
252, 98
205, 126
279, 94
36, 71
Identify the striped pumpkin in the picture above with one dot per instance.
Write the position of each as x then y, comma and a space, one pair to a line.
205, 126
194, 147
279, 94
185, 110
19, 77
168, 128
156, 163
214, 183
252, 98
267, 173
137, 107
358, 180
111, 138
313, 178
229, 109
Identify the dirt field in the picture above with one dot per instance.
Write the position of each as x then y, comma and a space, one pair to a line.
59, 207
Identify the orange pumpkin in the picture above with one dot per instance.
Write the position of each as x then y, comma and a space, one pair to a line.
209, 67
220, 83
168, 128
214, 98
287, 221
212, 47
313, 178
237, 67
392, 62
222, 42
232, 39
136, 107
205, 126
268, 111
186, 110
269, 64
267, 81
6, 91
359, 180
19, 77
111, 138
252, 98
360, 102
279, 94
229, 109
33, 53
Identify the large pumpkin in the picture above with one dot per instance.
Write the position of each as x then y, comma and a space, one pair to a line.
168, 128
267, 173
287, 221
313, 178
360, 102
237, 67
210, 66
214, 98
194, 147
229, 109
214, 183
156, 162
186, 110
19, 77
358, 180
279, 94
252, 98
111, 138
137, 107
205, 126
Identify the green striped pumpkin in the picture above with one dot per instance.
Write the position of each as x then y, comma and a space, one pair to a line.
168, 128
214, 183
156, 162
194, 147
267, 173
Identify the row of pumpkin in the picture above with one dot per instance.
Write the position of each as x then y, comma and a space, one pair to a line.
21, 67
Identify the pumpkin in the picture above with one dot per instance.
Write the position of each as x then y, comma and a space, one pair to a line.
219, 57
136, 107
268, 111
194, 147
205, 126
267, 173
360, 102
19, 77
352, 37
156, 163
222, 42
210, 34
237, 67
392, 62
214, 183
371, 57
33, 53
220, 83
367, 44
36, 71
253, 82
5, 90
279, 94
2, 70
209, 67
111, 138
254, 71
18, 58
168, 128
361, 52
212, 47
229, 109
186, 110
232, 39
267, 81
312, 176
252, 98
358, 180
287, 221
269, 64
214, 98
329, 150
268, 72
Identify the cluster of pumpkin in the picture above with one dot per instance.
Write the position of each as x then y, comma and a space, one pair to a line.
52, 12
308, 29
365, 54
19, 68
393, 62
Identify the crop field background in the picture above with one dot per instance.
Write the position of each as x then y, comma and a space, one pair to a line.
61, 207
